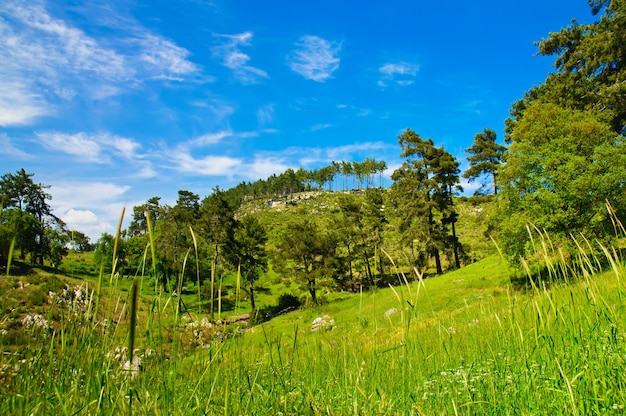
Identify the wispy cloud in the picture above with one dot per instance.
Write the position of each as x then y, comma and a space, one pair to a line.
210, 165
315, 58
311, 157
8, 148
90, 148
46, 59
228, 51
207, 139
265, 114
399, 73
165, 59
356, 111
320, 126
265, 166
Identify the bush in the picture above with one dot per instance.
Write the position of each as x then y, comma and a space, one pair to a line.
287, 301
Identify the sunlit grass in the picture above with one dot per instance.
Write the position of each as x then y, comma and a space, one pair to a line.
467, 342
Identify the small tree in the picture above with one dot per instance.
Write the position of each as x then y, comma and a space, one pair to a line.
486, 156
246, 250
307, 254
57, 247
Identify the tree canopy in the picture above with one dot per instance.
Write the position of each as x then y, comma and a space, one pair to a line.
590, 67
563, 164
485, 157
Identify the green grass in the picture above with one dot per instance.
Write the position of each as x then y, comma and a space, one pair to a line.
469, 344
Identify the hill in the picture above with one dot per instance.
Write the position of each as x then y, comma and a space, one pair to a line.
466, 342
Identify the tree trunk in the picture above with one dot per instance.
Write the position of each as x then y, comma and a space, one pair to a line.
368, 268
252, 296
313, 291
495, 187
437, 261
350, 264
457, 263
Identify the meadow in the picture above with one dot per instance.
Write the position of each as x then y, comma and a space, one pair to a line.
467, 342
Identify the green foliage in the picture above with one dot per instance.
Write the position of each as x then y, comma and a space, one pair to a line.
591, 67
485, 157
57, 247
308, 255
561, 167
246, 251
104, 253
25, 211
422, 199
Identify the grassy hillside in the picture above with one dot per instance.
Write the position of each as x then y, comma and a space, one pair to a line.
467, 342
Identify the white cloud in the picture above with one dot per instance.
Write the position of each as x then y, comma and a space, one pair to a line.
46, 59
90, 148
208, 139
320, 126
400, 73
315, 58
7, 148
81, 145
19, 105
81, 195
265, 114
80, 218
263, 167
90, 207
210, 165
164, 56
229, 53
469, 188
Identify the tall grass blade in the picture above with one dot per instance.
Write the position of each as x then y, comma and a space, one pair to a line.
118, 235
131, 336
10, 257
195, 247
152, 251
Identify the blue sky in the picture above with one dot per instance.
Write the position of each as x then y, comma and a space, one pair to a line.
113, 102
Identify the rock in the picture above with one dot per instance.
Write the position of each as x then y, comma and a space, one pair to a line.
390, 312
323, 322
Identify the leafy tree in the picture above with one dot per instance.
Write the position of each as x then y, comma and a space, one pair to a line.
346, 170
374, 221
79, 241
486, 156
422, 196
138, 224
591, 67
104, 252
173, 238
562, 166
29, 200
217, 222
446, 180
309, 255
57, 247
246, 250
348, 228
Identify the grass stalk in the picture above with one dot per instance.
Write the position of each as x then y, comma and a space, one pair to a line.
131, 339
152, 251
10, 256
118, 235
195, 248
